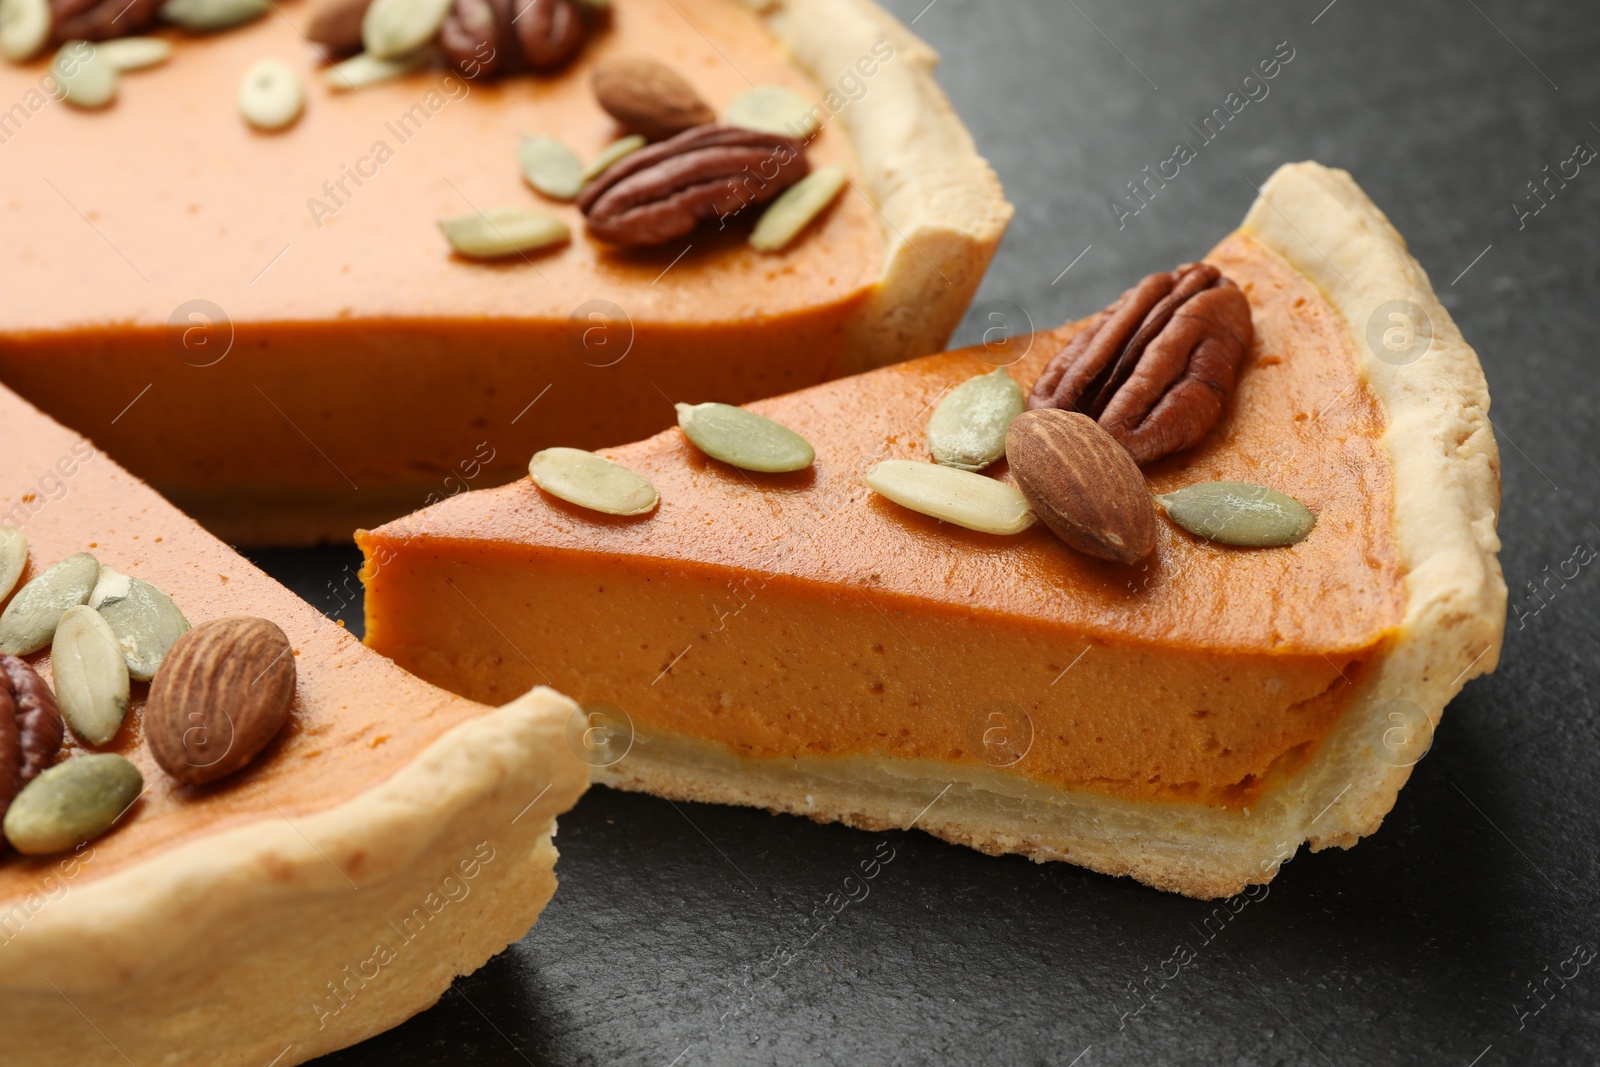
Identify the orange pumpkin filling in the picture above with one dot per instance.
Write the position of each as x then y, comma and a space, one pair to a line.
355, 719
365, 364
801, 615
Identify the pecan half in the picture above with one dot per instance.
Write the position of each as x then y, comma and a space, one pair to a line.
100, 20
709, 172
30, 727
488, 38
1157, 366
472, 39
549, 31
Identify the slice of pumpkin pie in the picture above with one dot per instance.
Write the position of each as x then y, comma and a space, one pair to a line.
195, 888
842, 629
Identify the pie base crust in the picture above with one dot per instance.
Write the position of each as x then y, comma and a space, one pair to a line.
229, 949
1446, 474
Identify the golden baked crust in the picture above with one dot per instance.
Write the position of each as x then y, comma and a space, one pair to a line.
249, 945
1446, 483
1447, 494
942, 207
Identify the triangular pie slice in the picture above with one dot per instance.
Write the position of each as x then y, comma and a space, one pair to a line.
391, 837
796, 642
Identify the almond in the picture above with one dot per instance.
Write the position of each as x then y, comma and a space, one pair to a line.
1082, 484
649, 97
222, 693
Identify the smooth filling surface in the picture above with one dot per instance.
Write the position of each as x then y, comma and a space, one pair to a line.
801, 615
306, 336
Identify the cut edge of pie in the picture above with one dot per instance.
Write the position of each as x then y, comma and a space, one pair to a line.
942, 206
1446, 470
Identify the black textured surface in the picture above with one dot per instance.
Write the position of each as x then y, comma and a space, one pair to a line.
1419, 946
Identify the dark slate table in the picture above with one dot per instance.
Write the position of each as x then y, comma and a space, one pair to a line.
1435, 941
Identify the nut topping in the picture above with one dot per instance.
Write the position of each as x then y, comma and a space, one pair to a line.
336, 24
549, 31
126, 54
220, 697
392, 28
100, 20
949, 494
1157, 366
1082, 484
1239, 513
210, 16
30, 727
13, 558
968, 428
473, 40
29, 621
592, 482
90, 674
488, 38
72, 802
364, 69
496, 232
709, 172
270, 94
744, 439
649, 97
24, 28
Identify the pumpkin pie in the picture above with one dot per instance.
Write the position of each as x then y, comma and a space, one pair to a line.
391, 837
797, 643
269, 329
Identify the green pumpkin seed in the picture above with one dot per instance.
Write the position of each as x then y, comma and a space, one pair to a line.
796, 207
503, 231
71, 803
622, 146
133, 53
774, 109
1238, 513
592, 482
744, 439
958, 496
29, 621
968, 428
271, 95
362, 69
391, 28
90, 674
86, 79
13, 557
209, 16
144, 619
24, 28
550, 167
